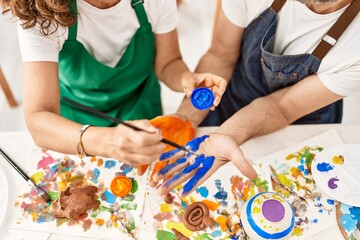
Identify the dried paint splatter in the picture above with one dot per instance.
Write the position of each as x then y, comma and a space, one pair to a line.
296, 184
56, 174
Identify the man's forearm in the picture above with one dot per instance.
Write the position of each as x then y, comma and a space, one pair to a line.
260, 117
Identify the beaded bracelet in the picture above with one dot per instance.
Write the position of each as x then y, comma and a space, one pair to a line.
80, 146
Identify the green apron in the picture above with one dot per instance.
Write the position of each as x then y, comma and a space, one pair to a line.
128, 91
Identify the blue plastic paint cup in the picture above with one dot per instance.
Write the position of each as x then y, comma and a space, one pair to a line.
202, 98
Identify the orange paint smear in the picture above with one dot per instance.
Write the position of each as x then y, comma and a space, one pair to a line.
174, 129
211, 205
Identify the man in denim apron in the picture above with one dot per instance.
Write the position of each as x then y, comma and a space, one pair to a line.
269, 90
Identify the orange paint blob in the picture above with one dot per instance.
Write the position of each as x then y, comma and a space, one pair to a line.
121, 186
174, 129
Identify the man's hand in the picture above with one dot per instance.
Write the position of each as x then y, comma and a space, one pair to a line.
214, 151
217, 84
173, 128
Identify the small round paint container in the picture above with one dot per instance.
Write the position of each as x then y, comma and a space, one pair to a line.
121, 186
202, 98
268, 215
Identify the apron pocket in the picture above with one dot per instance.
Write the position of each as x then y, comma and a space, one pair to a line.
275, 79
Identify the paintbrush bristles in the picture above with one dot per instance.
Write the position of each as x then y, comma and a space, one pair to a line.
39, 191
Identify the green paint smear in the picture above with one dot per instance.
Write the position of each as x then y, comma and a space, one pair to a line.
135, 186
203, 236
261, 183
131, 224
94, 215
164, 235
129, 198
105, 209
128, 206
53, 195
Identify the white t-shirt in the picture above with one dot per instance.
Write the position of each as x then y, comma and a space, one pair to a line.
299, 30
105, 33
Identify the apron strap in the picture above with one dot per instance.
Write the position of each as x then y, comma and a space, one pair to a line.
277, 5
73, 29
138, 5
332, 36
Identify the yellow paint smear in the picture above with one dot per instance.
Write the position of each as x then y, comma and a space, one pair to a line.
179, 227
37, 177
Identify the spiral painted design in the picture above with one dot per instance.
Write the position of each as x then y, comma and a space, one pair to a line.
195, 216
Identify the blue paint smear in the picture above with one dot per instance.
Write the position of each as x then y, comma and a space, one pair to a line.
355, 212
301, 168
324, 167
216, 233
203, 191
41, 219
167, 168
110, 164
207, 163
108, 197
96, 174
348, 222
222, 195
126, 171
315, 221
330, 201
124, 166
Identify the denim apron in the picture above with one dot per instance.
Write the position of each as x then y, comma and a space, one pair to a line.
128, 91
259, 72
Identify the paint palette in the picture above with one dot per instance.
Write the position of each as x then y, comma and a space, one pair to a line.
4, 195
336, 172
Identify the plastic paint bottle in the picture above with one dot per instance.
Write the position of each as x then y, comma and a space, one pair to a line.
202, 98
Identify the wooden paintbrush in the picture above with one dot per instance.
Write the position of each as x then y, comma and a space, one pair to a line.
39, 191
117, 121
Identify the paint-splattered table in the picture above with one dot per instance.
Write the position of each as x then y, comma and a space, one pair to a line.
19, 146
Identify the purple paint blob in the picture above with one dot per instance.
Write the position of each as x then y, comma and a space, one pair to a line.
324, 167
273, 210
332, 184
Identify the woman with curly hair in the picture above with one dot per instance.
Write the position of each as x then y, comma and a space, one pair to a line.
105, 54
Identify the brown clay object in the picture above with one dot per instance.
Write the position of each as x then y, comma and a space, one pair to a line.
208, 221
179, 235
168, 198
194, 216
75, 201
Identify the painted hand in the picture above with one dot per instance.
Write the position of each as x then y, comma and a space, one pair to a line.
174, 128
217, 84
214, 151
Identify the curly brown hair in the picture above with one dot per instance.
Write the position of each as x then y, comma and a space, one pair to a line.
44, 12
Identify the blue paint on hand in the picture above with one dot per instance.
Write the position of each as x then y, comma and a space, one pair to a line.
169, 154
207, 163
167, 168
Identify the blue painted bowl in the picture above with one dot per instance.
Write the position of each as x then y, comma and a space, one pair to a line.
202, 98
267, 216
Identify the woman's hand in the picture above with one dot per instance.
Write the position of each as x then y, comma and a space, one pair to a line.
135, 147
190, 81
214, 151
